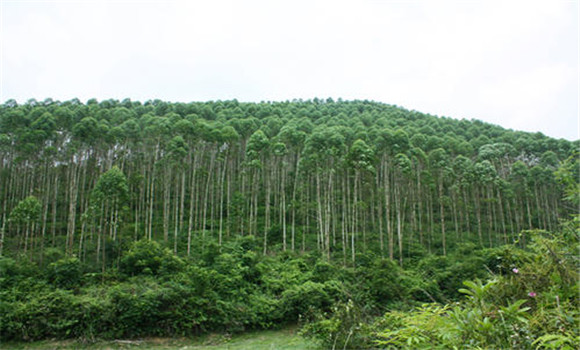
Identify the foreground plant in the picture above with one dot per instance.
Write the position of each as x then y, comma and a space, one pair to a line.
536, 307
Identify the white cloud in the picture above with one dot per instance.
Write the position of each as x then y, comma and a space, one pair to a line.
512, 63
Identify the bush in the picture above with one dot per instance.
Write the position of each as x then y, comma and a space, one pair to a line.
12, 271
449, 272
44, 315
64, 273
345, 327
378, 284
531, 305
297, 300
149, 258
502, 260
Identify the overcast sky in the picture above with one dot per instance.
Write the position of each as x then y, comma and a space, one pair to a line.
510, 63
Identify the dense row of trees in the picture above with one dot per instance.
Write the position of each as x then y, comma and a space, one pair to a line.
337, 177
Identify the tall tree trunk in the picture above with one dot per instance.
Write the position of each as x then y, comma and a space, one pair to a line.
354, 218
152, 192
489, 215
319, 220
478, 215
387, 187
345, 196
283, 207
267, 184
399, 223
73, 194
294, 189
192, 195
442, 216
221, 210
328, 216
502, 216
54, 210
206, 196
379, 207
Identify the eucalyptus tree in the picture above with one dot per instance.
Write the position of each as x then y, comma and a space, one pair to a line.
519, 177
25, 218
256, 152
174, 163
86, 138
229, 139
157, 130
280, 151
360, 159
438, 162
383, 180
403, 180
418, 162
211, 138
109, 197
485, 178
293, 137
323, 152
190, 134
464, 178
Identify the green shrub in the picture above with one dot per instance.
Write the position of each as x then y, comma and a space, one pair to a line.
344, 327
531, 303
502, 260
149, 258
300, 299
378, 284
12, 271
44, 315
449, 272
64, 273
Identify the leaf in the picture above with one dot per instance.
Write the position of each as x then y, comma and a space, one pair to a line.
465, 291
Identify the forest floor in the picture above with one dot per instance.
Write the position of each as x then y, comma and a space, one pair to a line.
283, 339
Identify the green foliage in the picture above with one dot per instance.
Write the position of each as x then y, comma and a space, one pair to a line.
361, 156
533, 305
426, 327
380, 283
323, 187
12, 271
303, 298
476, 325
43, 315
449, 272
237, 290
26, 212
557, 341
149, 258
65, 273
477, 291
344, 327
568, 175
111, 186
502, 260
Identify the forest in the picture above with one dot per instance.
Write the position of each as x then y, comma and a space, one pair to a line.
367, 224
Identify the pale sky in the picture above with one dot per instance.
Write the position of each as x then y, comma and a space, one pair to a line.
511, 63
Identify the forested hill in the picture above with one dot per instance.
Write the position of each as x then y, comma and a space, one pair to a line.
339, 177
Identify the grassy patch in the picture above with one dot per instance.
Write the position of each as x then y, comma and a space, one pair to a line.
284, 339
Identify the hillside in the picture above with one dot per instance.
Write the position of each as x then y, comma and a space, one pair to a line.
332, 176
122, 219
